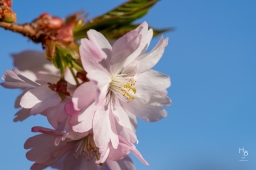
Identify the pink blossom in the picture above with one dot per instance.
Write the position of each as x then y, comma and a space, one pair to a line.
76, 151
122, 85
37, 98
31, 63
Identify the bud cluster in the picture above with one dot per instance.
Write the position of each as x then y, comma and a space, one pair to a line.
6, 13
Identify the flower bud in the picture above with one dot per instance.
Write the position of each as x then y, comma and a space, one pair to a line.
8, 3
61, 87
8, 16
6, 13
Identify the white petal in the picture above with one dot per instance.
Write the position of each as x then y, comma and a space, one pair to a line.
101, 42
56, 114
90, 56
147, 61
118, 59
126, 133
123, 41
24, 78
123, 164
84, 122
37, 62
46, 77
103, 155
102, 128
151, 87
39, 99
146, 112
102, 78
133, 121
144, 43
84, 95
122, 117
16, 80
14, 85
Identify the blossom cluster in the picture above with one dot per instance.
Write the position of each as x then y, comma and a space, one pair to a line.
92, 106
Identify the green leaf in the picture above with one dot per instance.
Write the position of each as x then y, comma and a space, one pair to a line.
121, 16
58, 59
118, 32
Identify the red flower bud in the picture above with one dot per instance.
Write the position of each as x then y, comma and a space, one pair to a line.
8, 3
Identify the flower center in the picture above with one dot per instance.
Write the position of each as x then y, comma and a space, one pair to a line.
87, 148
122, 85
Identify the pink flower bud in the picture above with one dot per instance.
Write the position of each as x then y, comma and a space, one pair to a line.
8, 3
6, 13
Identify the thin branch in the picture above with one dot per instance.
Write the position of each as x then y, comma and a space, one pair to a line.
26, 30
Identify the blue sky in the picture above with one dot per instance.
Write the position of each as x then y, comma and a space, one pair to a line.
211, 60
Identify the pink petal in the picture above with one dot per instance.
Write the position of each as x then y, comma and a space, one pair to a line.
126, 133
133, 121
123, 41
100, 42
56, 114
102, 78
84, 95
15, 81
82, 122
46, 131
102, 128
147, 61
130, 146
118, 153
37, 61
145, 111
144, 43
151, 88
104, 153
122, 117
24, 78
46, 77
118, 59
14, 85
37, 166
39, 99
85, 120
81, 163
90, 56
18, 98
77, 136
70, 110
43, 150
124, 164
21, 115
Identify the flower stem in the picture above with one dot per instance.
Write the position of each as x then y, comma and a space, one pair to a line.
73, 74
70, 66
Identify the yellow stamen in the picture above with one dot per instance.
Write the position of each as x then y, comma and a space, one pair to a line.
122, 85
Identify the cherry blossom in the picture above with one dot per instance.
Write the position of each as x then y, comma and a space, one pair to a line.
74, 150
122, 86
38, 98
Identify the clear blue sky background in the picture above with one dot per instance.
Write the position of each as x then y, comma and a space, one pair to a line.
211, 60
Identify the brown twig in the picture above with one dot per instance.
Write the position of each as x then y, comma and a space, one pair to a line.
25, 29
